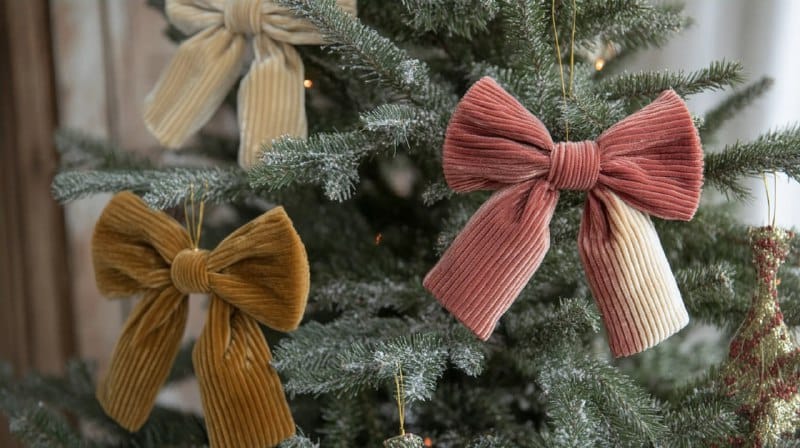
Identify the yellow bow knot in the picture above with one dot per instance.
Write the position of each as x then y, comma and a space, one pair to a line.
271, 96
189, 271
258, 274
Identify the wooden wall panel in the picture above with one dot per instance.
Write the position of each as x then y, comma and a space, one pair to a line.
35, 309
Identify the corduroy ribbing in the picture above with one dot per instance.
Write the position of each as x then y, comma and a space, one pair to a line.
505, 242
650, 163
257, 274
207, 65
241, 392
630, 278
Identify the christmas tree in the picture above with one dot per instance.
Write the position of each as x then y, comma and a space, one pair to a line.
376, 355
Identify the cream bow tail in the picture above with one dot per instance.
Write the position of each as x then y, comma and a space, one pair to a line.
271, 96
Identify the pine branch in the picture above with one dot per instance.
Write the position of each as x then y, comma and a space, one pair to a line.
75, 392
298, 441
334, 358
629, 24
492, 441
589, 115
327, 159
709, 294
775, 151
362, 365
459, 17
526, 24
612, 410
704, 418
360, 295
642, 87
344, 421
332, 159
405, 125
539, 331
436, 191
732, 105
161, 188
39, 426
367, 52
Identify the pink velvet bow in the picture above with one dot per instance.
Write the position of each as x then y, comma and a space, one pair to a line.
650, 163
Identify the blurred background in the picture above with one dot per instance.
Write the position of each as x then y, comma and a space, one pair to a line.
88, 64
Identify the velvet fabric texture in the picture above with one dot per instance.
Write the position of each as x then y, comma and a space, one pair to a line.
271, 97
650, 163
257, 274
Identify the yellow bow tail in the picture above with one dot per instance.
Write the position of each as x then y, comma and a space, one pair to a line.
271, 98
259, 274
143, 357
131, 249
242, 394
194, 85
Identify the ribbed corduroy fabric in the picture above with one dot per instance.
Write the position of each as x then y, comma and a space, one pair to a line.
650, 163
257, 274
271, 96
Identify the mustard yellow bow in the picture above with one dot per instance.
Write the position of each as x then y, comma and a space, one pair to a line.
257, 274
271, 97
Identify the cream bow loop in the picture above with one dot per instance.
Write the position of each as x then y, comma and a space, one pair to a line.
259, 273
206, 66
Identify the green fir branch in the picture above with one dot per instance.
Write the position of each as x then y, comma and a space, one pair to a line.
636, 88
589, 115
161, 189
344, 420
336, 357
704, 418
330, 160
731, 106
367, 52
405, 125
538, 331
709, 293
526, 25
628, 24
462, 18
775, 151
611, 409
298, 441
493, 441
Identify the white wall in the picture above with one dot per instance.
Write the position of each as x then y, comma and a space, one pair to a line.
765, 36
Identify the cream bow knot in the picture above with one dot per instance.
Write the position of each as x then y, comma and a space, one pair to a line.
271, 97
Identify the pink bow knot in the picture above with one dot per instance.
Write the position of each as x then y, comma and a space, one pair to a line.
650, 163
574, 165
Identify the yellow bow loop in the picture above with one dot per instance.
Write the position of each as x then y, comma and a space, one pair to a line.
207, 65
259, 273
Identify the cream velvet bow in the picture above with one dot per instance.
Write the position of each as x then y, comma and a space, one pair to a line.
271, 97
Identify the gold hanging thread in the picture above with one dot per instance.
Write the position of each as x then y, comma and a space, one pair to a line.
564, 92
193, 211
404, 440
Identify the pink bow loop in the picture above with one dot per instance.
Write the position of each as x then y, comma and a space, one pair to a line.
650, 163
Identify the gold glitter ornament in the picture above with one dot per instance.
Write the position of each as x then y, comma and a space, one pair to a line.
763, 368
